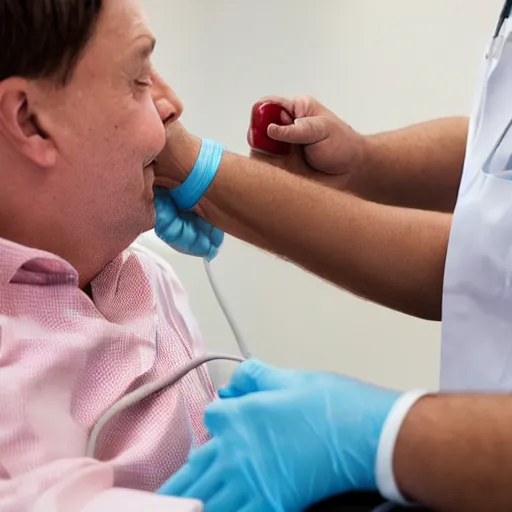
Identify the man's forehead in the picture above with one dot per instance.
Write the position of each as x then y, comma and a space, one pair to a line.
125, 20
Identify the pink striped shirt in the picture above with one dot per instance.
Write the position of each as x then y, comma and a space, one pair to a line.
65, 359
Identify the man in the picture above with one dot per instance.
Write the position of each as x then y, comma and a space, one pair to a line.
83, 320
283, 440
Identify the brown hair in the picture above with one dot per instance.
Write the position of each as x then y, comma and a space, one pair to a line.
45, 38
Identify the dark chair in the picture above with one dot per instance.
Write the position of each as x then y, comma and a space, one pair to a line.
358, 502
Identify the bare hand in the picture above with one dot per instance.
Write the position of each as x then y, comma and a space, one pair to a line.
328, 150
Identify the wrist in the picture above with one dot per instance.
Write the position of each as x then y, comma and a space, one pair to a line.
372, 154
187, 195
362, 174
387, 482
185, 156
220, 186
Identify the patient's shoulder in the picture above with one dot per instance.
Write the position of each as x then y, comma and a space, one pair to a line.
157, 268
167, 288
170, 295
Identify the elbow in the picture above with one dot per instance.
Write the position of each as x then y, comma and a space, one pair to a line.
422, 304
428, 306
432, 315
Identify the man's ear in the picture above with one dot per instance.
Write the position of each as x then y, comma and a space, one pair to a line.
19, 123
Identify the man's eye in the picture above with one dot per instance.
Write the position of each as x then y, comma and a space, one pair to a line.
144, 82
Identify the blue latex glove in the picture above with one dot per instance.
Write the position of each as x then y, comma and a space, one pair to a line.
283, 440
185, 232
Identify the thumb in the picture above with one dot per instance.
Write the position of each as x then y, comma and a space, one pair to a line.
253, 376
306, 130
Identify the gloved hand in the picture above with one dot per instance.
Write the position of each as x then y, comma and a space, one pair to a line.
331, 151
283, 440
185, 232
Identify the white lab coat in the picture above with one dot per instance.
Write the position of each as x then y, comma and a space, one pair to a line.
477, 301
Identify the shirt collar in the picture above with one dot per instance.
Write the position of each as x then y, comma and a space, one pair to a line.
25, 265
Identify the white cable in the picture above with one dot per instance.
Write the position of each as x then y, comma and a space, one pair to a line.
244, 350
148, 390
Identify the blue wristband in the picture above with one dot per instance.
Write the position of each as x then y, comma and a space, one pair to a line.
188, 194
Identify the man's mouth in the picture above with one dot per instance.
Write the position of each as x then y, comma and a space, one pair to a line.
150, 162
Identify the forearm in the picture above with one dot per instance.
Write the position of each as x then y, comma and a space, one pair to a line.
416, 167
454, 453
392, 256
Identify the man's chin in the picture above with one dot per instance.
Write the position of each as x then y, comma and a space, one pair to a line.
147, 219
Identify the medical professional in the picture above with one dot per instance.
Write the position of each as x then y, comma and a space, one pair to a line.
383, 228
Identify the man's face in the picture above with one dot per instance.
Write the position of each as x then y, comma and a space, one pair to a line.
108, 126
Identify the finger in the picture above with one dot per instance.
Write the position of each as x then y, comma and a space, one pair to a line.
307, 106
218, 417
254, 505
230, 392
192, 233
164, 205
286, 118
184, 232
204, 226
209, 240
287, 104
252, 376
209, 485
168, 225
307, 130
189, 474
217, 237
250, 507
229, 498
301, 106
212, 253
198, 232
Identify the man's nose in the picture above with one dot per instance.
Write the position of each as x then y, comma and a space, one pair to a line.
168, 105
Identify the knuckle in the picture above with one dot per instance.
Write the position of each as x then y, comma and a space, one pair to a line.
306, 98
307, 105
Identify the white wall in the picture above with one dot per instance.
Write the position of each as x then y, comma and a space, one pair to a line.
379, 65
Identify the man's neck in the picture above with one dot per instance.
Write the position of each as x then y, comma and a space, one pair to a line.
87, 263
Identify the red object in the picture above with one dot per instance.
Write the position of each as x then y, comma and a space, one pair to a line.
263, 115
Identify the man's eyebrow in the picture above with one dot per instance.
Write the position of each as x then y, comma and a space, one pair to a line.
147, 47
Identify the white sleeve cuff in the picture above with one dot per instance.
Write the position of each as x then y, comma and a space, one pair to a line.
385, 477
